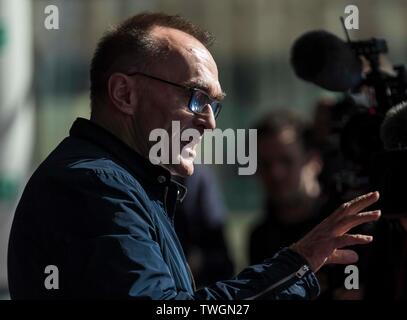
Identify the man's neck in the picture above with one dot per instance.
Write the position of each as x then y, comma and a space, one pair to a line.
120, 128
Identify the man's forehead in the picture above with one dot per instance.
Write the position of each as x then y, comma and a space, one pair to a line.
188, 60
183, 46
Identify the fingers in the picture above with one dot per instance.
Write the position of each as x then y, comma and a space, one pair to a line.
358, 204
343, 257
352, 239
321, 244
352, 221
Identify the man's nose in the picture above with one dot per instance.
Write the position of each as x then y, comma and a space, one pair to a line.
206, 118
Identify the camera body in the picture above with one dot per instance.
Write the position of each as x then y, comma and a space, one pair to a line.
362, 164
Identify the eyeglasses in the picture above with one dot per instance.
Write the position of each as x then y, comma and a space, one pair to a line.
198, 99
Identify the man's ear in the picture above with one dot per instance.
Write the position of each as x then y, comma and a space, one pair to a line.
121, 93
314, 160
309, 174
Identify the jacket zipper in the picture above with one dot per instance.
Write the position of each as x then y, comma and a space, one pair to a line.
299, 274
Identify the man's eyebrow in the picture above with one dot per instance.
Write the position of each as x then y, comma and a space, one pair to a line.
204, 87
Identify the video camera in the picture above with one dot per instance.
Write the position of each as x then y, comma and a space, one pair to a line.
371, 86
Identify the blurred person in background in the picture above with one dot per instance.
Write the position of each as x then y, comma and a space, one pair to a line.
289, 166
200, 226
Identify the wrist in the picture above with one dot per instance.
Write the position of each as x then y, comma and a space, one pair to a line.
301, 252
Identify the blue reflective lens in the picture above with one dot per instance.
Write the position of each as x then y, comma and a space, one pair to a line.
200, 99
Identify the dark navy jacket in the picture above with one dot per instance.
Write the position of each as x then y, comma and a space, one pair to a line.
104, 217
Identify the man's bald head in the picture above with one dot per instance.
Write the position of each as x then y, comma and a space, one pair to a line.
132, 45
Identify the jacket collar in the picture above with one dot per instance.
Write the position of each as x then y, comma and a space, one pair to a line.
138, 165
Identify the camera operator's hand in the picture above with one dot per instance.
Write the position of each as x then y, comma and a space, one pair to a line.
323, 243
